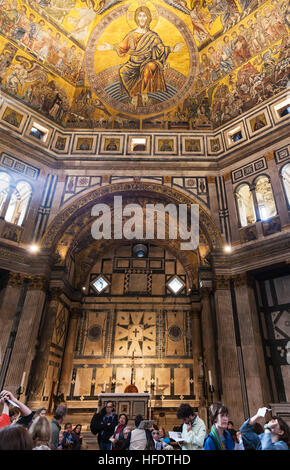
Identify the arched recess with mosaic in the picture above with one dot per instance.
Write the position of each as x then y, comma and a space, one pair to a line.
145, 308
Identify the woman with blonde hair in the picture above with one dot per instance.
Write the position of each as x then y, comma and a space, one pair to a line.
40, 431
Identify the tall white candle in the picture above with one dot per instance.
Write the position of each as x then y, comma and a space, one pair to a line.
105, 385
22, 380
209, 378
146, 385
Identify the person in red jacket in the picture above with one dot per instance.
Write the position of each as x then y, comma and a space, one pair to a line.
4, 418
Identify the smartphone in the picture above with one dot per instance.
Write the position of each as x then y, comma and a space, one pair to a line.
10, 402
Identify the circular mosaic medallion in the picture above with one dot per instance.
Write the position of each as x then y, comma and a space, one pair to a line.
141, 70
95, 333
175, 333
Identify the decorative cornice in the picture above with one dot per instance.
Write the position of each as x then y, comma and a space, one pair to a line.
11, 256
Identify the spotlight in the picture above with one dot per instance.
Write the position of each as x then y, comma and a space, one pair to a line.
227, 248
33, 248
140, 250
84, 288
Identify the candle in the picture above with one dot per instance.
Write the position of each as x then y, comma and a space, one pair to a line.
22, 380
146, 385
209, 378
105, 385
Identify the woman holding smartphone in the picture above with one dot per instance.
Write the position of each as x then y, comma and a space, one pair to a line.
276, 434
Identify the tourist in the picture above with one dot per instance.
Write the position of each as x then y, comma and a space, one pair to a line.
125, 443
276, 435
69, 439
239, 445
140, 439
40, 431
193, 429
156, 440
39, 412
77, 431
104, 424
15, 437
257, 429
4, 418
232, 431
219, 437
118, 435
26, 414
163, 436
56, 422
14, 413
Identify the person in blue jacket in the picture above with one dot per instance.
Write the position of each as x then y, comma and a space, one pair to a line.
275, 437
219, 438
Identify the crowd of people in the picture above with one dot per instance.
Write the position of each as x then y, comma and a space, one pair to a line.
23, 429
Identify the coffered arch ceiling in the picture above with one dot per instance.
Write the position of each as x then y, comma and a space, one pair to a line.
85, 63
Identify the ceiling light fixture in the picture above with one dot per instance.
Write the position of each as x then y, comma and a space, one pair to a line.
33, 248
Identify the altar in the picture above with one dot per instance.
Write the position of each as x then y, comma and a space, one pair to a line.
132, 404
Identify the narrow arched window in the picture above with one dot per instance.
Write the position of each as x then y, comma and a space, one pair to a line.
265, 198
4, 188
286, 181
245, 205
19, 203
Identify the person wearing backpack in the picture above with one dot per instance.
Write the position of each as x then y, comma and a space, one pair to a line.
219, 437
104, 424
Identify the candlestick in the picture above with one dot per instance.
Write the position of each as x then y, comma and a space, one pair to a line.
22, 380
209, 378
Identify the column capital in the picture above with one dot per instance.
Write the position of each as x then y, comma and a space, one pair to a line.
37, 283
211, 179
269, 156
222, 282
227, 176
242, 279
15, 279
55, 293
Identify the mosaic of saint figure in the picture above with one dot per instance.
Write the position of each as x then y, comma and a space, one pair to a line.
143, 72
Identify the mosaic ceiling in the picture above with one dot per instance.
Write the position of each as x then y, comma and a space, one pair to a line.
143, 64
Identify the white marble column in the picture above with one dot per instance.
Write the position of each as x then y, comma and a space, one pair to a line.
26, 336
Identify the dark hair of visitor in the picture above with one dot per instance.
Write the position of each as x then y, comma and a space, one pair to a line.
75, 428
215, 409
60, 412
15, 437
230, 422
138, 420
184, 411
284, 427
126, 417
258, 428
147, 12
